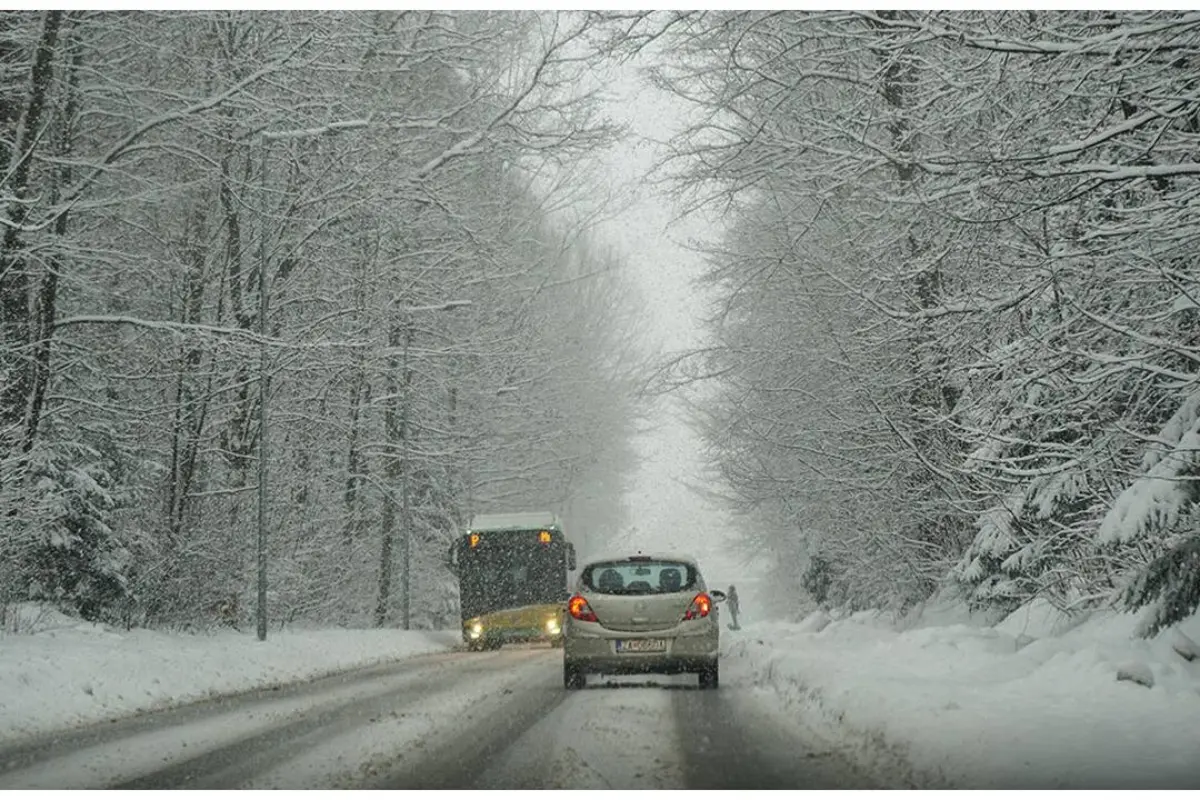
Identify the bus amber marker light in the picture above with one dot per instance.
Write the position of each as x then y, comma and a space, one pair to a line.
580, 610
474, 540
544, 537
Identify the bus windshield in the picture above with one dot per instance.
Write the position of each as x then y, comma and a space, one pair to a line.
498, 578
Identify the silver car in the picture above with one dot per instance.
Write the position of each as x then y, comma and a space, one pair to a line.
641, 613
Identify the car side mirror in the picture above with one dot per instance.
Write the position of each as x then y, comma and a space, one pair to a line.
717, 595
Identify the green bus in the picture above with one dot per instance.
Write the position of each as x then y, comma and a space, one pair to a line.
512, 579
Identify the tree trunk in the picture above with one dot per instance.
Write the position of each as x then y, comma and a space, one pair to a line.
395, 471
18, 370
355, 462
47, 296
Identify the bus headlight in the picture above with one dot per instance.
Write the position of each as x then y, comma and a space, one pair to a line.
552, 626
476, 630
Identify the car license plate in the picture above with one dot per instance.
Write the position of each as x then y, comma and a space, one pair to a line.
641, 645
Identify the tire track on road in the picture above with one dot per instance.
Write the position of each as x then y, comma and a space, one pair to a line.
133, 749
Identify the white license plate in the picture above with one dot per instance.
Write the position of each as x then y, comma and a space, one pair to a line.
641, 645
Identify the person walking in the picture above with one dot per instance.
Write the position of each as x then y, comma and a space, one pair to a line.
731, 600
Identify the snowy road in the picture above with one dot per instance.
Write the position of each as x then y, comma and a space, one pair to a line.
448, 720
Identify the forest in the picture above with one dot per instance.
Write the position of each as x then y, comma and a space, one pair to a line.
349, 248
955, 343
345, 258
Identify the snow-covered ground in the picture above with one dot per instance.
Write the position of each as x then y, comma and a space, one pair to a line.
1033, 701
66, 672
939, 698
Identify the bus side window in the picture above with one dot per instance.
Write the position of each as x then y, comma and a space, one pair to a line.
570, 557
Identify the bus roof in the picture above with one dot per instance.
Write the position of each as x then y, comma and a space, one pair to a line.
525, 520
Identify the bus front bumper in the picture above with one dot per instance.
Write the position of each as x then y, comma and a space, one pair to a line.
532, 624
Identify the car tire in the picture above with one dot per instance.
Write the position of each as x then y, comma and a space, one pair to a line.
710, 676
475, 646
573, 676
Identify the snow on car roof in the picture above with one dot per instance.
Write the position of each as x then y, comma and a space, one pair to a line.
514, 521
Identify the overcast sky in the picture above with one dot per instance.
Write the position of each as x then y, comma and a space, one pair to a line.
663, 512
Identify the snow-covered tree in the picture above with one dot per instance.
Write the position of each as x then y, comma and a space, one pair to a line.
368, 169
955, 339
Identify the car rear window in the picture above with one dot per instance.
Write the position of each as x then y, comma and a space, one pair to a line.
639, 577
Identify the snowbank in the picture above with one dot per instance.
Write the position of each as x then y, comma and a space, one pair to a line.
1032, 702
70, 672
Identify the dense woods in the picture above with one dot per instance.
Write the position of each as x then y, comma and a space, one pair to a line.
360, 217
955, 338
955, 343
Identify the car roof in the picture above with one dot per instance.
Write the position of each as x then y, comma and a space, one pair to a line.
652, 556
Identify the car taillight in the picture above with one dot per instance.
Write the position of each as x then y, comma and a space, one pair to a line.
580, 610
701, 605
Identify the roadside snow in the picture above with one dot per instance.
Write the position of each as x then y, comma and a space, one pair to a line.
69, 672
940, 698
1032, 702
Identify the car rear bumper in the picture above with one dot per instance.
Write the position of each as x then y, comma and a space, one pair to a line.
599, 653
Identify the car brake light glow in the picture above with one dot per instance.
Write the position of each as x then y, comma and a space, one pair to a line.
700, 607
580, 610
